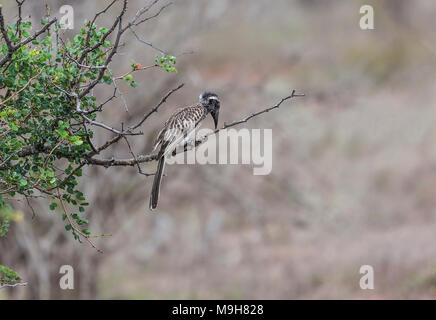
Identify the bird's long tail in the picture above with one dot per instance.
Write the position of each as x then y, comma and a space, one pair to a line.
154, 197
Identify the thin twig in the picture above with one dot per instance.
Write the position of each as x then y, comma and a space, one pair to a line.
146, 43
88, 35
10, 285
30, 206
83, 114
162, 101
277, 105
136, 160
72, 224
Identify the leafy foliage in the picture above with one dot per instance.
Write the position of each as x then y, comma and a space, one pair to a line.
47, 108
8, 276
167, 62
48, 111
36, 116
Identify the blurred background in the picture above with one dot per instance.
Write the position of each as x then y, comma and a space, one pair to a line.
354, 165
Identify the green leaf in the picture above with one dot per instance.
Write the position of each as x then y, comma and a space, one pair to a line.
78, 142
8, 275
62, 133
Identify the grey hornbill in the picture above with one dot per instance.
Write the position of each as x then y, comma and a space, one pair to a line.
177, 131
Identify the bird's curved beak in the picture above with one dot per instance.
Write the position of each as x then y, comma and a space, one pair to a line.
215, 114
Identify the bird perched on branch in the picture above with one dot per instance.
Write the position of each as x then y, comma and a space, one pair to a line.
177, 131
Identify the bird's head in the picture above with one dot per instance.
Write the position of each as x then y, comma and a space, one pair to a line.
211, 102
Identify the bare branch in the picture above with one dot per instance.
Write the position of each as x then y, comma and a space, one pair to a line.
20, 18
5, 33
115, 139
83, 114
126, 108
111, 29
10, 285
136, 160
22, 88
277, 105
118, 22
30, 206
141, 11
153, 16
150, 157
122, 162
95, 18
162, 101
145, 42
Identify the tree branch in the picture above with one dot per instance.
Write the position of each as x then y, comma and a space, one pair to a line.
162, 101
277, 105
9, 285
150, 157
12, 48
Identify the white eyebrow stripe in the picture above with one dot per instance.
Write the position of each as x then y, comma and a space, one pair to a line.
214, 98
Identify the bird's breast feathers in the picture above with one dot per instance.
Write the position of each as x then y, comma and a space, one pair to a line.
180, 125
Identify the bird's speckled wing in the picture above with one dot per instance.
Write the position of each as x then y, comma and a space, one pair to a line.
178, 128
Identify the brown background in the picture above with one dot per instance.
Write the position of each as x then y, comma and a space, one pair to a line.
353, 179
